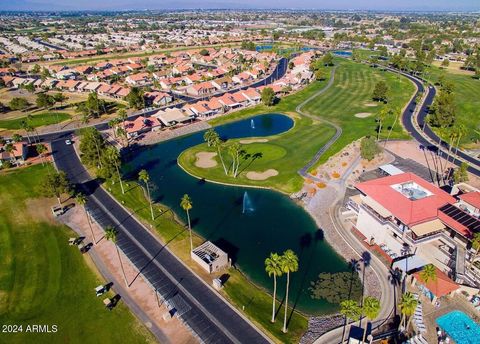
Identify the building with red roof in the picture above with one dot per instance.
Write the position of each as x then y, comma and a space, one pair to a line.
404, 210
470, 202
439, 287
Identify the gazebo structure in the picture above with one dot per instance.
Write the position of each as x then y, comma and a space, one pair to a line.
437, 288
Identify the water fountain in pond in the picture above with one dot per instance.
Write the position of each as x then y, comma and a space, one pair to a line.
252, 124
247, 206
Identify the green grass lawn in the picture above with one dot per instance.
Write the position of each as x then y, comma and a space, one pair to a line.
38, 120
287, 153
239, 290
349, 95
467, 98
45, 281
352, 94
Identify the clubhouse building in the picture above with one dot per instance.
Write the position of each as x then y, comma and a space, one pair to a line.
410, 218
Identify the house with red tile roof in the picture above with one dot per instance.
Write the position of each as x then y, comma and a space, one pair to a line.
199, 109
252, 95
158, 98
203, 88
141, 125
140, 79
17, 156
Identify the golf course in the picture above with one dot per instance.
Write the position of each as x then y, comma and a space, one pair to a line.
347, 103
466, 90
45, 281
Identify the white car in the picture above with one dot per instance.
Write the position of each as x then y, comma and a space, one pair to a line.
68, 142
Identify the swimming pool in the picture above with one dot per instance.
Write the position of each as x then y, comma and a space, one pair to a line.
460, 327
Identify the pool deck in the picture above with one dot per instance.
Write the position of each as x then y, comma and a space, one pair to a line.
447, 305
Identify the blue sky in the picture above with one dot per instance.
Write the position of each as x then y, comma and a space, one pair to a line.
456, 5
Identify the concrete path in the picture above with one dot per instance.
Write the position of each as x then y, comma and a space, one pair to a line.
338, 131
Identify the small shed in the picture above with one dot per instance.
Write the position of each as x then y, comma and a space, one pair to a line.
210, 257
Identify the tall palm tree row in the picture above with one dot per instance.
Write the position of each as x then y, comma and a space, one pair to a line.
144, 177
186, 204
273, 267
212, 139
111, 235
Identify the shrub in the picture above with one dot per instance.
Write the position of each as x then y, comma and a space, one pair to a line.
369, 148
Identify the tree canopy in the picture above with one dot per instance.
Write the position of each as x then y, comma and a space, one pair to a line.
380, 92
369, 148
268, 96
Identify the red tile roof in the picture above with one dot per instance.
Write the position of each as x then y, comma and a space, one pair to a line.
442, 286
410, 212
472, 198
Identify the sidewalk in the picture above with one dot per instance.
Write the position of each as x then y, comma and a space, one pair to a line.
139, 297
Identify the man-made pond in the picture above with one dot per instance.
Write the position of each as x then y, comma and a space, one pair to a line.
343, 53
272, 222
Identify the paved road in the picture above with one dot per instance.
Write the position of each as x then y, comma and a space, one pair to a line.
278, 73
201, 308
421, 137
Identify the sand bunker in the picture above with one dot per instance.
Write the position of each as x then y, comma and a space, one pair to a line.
205, 159
371, 104
246, 142
363, 114
252, 175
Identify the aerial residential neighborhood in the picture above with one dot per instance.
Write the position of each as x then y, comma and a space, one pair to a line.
240, 173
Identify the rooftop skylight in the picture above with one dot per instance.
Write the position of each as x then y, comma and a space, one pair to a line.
411, 190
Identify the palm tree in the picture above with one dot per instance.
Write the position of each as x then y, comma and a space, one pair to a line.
213, 140
380, 118
24, 126
429, 273
41, 150
113, 155
476, 246
144, 177
395, 279
273, 267
461, 131
371, 308
122, 116
111, 235
112, 124
81, 200
395, 112
17, 138
351, 310
408, 304
10, 148
186, 204
289, 263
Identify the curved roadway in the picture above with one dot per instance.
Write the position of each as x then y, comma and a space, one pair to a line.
426, 136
